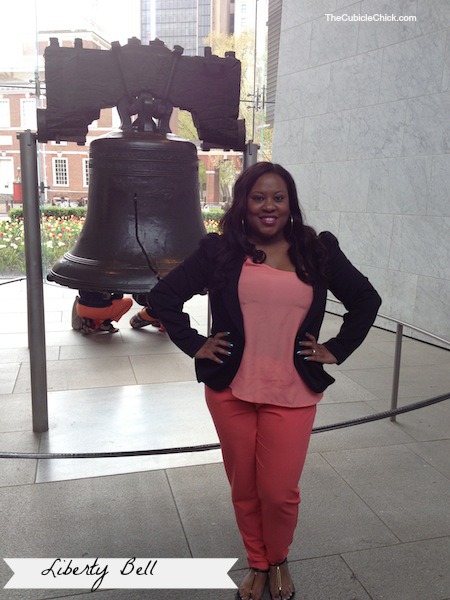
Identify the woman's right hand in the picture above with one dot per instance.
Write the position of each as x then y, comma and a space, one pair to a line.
214, 347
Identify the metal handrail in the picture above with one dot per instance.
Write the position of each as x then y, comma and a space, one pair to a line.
403, 323
398, 344
398, 350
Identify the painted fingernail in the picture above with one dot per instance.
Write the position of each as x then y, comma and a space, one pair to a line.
231, 345
229, 353
306, 358
299, 352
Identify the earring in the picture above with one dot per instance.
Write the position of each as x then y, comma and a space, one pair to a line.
291, 221
243, 226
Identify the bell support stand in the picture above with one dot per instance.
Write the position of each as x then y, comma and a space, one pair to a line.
35, 294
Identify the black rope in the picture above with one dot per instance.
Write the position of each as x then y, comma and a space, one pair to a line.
12, 280
203, 448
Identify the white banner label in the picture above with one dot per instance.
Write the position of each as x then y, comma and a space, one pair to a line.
120, 573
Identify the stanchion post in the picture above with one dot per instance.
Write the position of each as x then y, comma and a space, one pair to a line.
250, 154
396, 375
35, 294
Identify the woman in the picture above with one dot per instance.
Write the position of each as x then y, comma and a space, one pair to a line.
267, 276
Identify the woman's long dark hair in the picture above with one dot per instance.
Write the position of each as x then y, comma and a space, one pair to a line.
305, 249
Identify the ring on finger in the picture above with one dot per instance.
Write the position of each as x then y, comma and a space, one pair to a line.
314, 351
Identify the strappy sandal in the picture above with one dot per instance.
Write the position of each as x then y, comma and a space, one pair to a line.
255, 572
279, 580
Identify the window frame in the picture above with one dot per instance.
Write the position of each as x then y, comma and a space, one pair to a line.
85, 168
28, 117
5, 112
56, 173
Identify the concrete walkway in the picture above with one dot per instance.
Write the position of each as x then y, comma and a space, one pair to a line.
375, 515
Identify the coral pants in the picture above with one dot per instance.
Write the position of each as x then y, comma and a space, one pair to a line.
264, 449
114, 312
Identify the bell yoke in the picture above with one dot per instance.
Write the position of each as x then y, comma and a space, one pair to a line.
144, 214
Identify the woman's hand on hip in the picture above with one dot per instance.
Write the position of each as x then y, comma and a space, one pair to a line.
315, 352
215, 347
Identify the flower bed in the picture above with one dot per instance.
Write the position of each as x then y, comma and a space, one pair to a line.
58, 233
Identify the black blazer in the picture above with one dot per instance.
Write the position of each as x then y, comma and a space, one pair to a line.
197, 272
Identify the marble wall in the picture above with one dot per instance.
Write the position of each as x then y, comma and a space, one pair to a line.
362, 121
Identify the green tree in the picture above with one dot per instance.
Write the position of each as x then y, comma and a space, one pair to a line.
186, 127
202, 179
251, 107
228, 174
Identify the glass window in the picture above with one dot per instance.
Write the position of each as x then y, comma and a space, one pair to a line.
60, 171
85, 172
5, 116
28, 113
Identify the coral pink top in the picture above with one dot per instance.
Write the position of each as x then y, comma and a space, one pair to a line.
274, 304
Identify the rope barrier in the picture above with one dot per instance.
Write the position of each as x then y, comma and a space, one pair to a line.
12, 280
205, 447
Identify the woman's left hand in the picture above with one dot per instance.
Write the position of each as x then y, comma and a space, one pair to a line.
315, 352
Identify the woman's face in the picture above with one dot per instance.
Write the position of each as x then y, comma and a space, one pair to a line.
267, 209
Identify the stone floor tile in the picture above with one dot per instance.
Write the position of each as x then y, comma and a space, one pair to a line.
79, 374
8, 377
203, 499
327, 578
17, 471
160, 368
436, 453
332, 517
15, 412
415, 353
403, 490
362, 435
145, 342
367, 356
118, 516
429, 381
414, 571
345, 389
126, 418
422, 424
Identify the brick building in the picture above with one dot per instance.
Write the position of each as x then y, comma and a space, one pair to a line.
62, 168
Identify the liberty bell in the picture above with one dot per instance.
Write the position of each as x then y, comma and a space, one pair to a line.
143, 216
